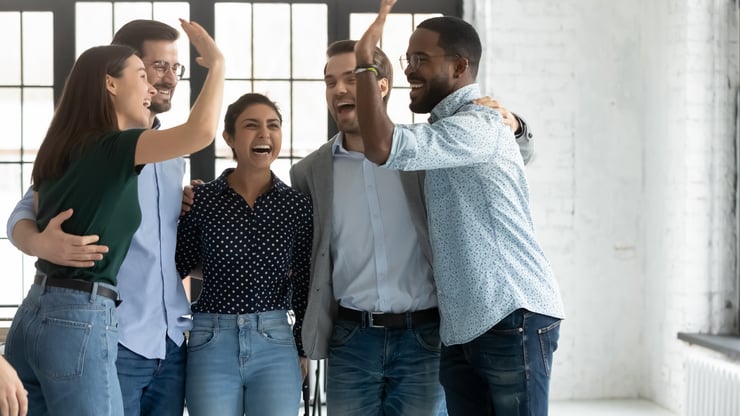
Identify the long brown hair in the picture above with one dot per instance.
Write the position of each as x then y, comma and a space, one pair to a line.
84, 112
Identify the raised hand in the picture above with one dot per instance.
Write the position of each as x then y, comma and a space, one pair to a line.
366, 45
203, 43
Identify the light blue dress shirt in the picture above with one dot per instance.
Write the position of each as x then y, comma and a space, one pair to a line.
487, 262
154, 301
378, 263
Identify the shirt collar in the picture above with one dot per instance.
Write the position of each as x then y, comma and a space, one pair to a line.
221, 184
450, 104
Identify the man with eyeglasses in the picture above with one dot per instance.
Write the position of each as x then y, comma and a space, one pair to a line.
372, 307
499, 302
153, 315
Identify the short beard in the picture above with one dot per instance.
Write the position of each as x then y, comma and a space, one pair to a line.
158, 108
437, 89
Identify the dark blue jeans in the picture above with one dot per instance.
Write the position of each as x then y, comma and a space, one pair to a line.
152, 387
504, 372
384, 372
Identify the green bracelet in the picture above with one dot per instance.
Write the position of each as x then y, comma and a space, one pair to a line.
371, 68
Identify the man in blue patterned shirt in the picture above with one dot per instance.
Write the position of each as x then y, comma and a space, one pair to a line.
499, 303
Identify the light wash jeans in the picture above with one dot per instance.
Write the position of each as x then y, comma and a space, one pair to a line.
505, 371
152, 387
242, 364
384, 372
63, 344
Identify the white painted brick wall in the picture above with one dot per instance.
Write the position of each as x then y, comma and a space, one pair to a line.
632, 186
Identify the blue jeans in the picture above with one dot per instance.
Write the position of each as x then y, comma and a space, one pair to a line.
242, 364
63, 344
377, 371
152, 387
504, 372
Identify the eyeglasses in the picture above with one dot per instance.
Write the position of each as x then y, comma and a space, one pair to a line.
414, 61
162, 68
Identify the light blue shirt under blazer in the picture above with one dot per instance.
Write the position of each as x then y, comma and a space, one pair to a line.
378, 261
487, 262
154, 301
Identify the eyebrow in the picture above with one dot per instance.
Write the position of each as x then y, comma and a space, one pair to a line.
256, 120
343, 74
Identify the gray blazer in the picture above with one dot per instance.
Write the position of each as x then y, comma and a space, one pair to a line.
314, 177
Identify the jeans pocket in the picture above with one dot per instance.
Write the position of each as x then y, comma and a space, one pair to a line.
277, 331
428, 337
61, 347
548, 337
201, 337
342, 333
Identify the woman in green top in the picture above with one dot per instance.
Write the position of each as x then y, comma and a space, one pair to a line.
63, 340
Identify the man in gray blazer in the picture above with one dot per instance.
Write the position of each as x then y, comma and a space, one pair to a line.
372, 307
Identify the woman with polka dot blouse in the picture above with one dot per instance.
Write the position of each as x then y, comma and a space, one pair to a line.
252, 235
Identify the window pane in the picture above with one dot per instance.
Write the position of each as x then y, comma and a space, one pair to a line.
395, 40
10, 73
38, 46
13, 288
272, 41
309, 118
10, 108
124, 12
309, 42
281, 168
398, 106
234, 37
223, 164
11, 183
279, 92
358, 24
95, 31
38, 108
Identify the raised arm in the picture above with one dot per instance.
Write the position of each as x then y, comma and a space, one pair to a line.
376, 127
200, 128
53, 244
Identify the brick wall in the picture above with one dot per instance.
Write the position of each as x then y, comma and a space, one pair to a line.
632, 187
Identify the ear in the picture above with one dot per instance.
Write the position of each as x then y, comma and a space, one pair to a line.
383, 85
461, 66
111, 85
228, 139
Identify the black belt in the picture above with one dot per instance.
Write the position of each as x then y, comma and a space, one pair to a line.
406, 320
81, 285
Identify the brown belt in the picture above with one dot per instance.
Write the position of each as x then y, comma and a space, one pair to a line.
407, 320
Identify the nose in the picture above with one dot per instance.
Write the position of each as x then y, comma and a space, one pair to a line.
170, 77
408, 70
150, 89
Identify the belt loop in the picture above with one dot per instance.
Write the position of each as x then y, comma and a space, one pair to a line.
409, 320
43, 276
94, 292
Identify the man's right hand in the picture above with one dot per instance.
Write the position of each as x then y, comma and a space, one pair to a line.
58, 247
188, 196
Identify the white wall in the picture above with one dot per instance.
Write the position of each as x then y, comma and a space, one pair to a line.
632, 187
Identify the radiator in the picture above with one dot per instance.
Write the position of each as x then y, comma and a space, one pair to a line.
713, 387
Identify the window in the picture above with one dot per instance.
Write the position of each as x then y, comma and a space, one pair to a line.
276, 48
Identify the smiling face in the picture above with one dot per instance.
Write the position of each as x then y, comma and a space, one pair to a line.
341, 89
132, 95
257, 136
434, 78
166, 81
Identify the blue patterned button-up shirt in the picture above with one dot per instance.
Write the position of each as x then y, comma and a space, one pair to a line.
487, 262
